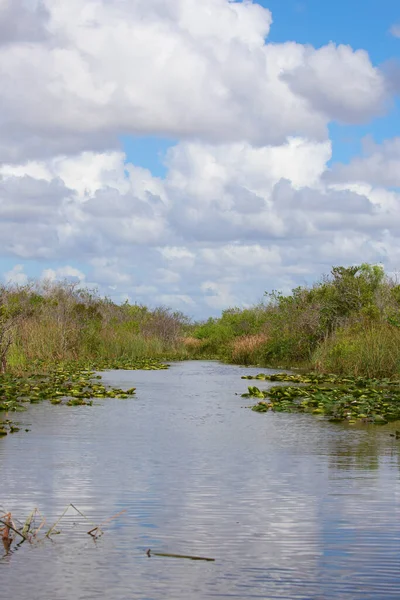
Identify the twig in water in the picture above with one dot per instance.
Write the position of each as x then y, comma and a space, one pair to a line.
91, 532
48, 534
168, 555
50, 531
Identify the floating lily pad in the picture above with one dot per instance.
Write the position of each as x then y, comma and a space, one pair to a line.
349, 399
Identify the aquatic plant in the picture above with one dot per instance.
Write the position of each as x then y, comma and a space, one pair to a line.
16, 532
68, 384
337, 398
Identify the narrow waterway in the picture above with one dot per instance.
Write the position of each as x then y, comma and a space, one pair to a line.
290, 506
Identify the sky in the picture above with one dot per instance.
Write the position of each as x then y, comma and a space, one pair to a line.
195, 154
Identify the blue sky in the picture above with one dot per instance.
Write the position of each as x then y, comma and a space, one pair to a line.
359, 23
189, 154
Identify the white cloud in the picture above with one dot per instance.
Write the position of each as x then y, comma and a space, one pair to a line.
167, 276
99, 69
238, 256
32, 215
380, 165
248, 202
16, 276
339, 82
144, 290
106, 272
177, 301
22, 21
63, 273
217, 295
263, 218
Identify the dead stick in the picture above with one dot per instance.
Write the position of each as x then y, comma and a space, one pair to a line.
43, 521
167, 555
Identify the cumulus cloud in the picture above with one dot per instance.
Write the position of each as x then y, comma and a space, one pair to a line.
104, 68
16, 276
32, 216
260, 218
247, 203
217, 295
379, 165
66, 273
338, 82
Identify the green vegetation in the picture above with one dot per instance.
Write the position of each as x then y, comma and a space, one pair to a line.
351, 399
347, 323
53, 339
66, 384
62, 323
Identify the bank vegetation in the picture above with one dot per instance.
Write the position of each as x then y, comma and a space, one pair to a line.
346, 323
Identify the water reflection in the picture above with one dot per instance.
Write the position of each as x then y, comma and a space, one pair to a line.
364, 448
290, 506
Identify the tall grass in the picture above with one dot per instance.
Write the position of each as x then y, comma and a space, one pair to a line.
61, 322
247, 349
348, 322
369, 350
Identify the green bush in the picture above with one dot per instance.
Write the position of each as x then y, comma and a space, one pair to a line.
349, 322
322, 323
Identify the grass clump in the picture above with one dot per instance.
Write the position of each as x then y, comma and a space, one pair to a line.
245, 349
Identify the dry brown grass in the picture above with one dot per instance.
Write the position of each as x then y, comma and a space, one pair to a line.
191, 343
193, 347
248, 348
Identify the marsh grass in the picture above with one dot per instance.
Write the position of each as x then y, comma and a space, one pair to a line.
348, 322
62, 322
248, 349
369, 350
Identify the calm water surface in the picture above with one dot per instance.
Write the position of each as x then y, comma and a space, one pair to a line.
289, 506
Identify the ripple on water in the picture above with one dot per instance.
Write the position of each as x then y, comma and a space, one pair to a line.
290, 506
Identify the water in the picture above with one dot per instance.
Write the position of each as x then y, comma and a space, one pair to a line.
290, 506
